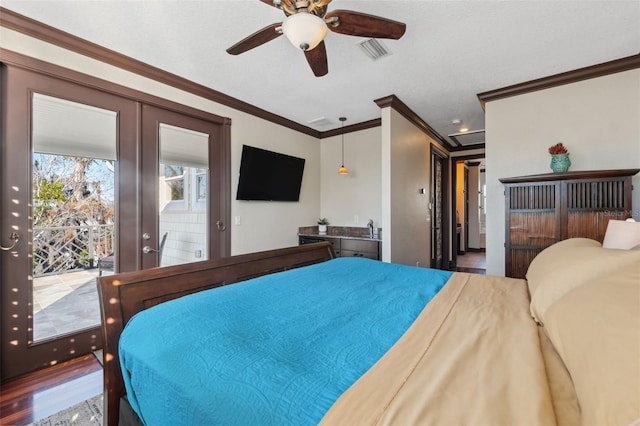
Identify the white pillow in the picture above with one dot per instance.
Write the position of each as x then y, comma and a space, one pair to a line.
622, 234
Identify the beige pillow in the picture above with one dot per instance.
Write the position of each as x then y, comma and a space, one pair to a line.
595, 329
554, 257
567, 265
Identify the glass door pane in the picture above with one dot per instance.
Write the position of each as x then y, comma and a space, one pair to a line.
182, 195
73, 211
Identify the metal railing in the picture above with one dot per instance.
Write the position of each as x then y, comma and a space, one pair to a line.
60, 249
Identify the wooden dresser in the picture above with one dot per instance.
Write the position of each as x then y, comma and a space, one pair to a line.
543, 209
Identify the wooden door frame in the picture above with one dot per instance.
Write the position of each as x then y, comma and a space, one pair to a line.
445, 203
16, 127
128, 191
152, 116
19, 353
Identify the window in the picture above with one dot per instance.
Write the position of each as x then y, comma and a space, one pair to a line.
183, 188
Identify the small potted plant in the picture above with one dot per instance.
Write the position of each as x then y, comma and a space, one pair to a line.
560, 161
322, 225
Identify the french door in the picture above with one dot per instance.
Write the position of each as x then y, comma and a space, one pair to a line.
91, 183
51, 129
183, 189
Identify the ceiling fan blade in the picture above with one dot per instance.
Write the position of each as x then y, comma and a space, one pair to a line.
363, 25
317, 58
256, 39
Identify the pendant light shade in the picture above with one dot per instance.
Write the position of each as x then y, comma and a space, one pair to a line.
343, 170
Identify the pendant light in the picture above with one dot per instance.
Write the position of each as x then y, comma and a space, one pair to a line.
343, 170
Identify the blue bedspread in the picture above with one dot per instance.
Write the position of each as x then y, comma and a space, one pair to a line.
275, 350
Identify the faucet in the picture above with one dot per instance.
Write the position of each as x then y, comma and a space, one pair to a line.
370, 225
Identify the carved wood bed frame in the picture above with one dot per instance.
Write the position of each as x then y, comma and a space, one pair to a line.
123, 295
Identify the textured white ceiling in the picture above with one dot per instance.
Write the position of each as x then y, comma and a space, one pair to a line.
451, 50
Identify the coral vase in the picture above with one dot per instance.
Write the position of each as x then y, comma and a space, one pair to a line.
560, 162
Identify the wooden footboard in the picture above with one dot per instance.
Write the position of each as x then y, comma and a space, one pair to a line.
124, 295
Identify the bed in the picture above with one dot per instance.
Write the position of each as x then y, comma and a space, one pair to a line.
302, 337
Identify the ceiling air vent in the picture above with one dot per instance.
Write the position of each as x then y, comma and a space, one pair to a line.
374, 49
322, 121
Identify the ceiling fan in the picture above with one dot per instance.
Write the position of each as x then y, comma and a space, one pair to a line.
306, 26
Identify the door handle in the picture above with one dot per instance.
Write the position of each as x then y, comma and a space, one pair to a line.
147, 250
221, 226
13, 237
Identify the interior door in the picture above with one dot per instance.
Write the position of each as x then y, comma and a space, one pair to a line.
54, 135
437, 228
183, 189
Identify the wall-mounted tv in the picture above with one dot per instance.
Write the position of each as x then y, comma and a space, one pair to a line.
269, 176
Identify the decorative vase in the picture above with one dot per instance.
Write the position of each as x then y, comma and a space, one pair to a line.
560, 162
322, 229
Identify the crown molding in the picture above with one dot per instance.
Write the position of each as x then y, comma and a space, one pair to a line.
18, 60
376, 122
49, 34
599, 70
394, 102
468, 147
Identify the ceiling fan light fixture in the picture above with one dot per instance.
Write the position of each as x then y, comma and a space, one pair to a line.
304, 30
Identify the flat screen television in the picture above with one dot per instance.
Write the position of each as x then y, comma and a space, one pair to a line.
269, 176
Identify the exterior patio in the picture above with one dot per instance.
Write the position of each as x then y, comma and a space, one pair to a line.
67, 261
64, 303
65, 296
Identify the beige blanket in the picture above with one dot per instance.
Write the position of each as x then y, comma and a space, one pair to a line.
472, 357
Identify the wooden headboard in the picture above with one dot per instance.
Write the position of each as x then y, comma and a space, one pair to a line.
124, 295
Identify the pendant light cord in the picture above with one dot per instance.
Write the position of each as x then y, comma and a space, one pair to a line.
343, 170
343, 145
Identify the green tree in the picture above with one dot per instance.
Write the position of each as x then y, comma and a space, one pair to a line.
63, 197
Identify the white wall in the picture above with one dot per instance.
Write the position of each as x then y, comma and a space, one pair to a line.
185, 236
406, 160
266, 225
263, 225
598, 120
343, 197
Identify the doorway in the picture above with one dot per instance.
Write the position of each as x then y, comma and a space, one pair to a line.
80, 129
57, 213
182, 189
469, 203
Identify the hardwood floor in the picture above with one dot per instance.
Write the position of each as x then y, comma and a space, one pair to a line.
474, 262
39, 394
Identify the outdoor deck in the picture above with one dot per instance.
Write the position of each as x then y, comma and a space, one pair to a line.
65, 302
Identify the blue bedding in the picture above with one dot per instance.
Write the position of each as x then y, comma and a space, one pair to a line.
274, 350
